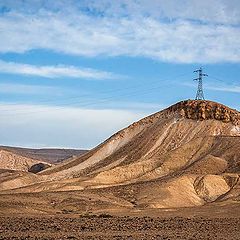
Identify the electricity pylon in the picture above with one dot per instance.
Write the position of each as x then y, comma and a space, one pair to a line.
200, 95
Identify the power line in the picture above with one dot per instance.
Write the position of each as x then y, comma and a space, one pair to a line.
219, 79
84, 104
79, 97
104, 100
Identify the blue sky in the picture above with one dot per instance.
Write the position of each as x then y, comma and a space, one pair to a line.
74, 72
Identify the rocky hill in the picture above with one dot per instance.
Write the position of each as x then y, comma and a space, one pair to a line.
186, 155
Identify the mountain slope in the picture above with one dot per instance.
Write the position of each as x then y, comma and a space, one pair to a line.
185, 155
178, 135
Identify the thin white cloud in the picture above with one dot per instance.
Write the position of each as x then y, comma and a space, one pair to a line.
229, 88
221, 87
141, 33
37, 126
57, 71
13, 88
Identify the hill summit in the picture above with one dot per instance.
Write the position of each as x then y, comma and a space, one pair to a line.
203, 110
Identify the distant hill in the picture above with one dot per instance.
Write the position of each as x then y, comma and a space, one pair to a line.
50, 155
13, 161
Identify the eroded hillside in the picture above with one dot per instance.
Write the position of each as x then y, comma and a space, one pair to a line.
186, 155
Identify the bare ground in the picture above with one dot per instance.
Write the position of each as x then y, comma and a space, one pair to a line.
213, 222
118, 228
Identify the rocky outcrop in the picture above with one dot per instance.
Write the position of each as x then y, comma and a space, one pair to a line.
38, 167
204, 110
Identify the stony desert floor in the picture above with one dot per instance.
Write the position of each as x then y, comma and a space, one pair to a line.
215, 222
106, 227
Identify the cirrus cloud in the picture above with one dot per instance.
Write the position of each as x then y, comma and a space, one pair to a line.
54, 71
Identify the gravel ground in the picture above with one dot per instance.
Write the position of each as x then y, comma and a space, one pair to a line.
113, 227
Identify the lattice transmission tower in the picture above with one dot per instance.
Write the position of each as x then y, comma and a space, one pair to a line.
200, 95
